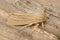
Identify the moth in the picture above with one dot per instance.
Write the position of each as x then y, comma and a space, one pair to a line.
27, 19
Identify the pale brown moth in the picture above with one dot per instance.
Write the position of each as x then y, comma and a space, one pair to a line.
27, 18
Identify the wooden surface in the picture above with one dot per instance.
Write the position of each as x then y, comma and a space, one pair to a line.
52, 25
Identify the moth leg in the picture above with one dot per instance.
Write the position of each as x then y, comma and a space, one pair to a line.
25, 27
35, 28
43, 26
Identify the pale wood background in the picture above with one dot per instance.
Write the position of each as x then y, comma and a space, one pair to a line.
52, 10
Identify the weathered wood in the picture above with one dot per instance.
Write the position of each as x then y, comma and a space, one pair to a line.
53, 13
12, 32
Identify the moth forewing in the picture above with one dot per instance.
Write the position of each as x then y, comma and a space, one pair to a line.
25, 19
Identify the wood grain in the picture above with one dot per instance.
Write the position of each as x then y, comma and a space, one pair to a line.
52, 25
